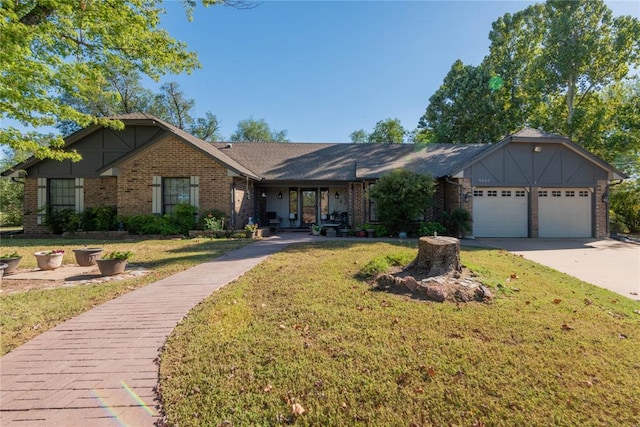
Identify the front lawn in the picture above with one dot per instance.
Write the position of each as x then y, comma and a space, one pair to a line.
301, 340
27, 314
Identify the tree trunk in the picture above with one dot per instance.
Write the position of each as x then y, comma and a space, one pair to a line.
438, 256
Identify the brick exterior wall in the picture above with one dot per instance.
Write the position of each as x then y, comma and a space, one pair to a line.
242, 205
171, 158
601, 211
99, 192
533, 209
358, 210
30, 208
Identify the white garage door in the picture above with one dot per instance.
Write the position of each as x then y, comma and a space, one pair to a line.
500, 212
564, 212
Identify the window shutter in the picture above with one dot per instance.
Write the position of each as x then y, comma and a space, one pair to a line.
79, 194
42, 200
156, 195
194, 194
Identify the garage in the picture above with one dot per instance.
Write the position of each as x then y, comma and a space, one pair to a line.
500, 212
564, 212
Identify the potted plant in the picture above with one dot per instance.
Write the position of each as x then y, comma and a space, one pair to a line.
251, 229
87, 256
12, 260
315, 229
114, 262
49, 260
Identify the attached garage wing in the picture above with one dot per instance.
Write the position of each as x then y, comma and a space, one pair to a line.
500, 212
564, 212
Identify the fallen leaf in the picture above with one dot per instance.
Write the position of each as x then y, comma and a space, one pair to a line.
513, 276
622, 336
282, 326
360, 308
566, 327
297, 409
527, 302
587, 301
431, 371
418, 390
557, 301
268, 388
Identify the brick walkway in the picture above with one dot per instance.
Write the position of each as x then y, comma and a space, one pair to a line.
99, 369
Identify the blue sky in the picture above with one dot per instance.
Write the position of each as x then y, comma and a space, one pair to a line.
321, 70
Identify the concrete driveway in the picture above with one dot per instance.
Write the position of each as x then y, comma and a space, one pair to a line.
608, 263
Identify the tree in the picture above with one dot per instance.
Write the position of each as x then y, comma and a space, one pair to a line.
464, 109
400, 197
625, 204
11, 191
387, 131
206, 128
56, 47
171, 105
359, 136
250, 130
549, 66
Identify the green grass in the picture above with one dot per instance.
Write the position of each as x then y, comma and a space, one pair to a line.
25, 315
303, 329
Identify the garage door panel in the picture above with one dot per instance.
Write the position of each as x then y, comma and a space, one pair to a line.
500, 212
564, 212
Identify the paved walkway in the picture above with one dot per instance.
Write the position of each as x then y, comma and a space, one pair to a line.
100, 368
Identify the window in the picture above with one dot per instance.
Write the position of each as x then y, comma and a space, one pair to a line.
556, 193
520, 193
570, 193
506, 193
492, 193
583, 193
62, 194
542, 193
174, 192
477, 193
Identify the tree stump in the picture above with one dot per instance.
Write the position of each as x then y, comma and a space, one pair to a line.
438, 256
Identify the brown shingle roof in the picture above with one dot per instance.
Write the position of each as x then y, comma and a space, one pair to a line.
346, 162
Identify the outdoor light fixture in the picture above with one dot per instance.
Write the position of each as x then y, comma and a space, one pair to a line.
280, 195
537, 149
264, 195
337, 196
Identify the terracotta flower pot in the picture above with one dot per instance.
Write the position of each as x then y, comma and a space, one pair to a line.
111, 267
12, 264
48, 261
87, 256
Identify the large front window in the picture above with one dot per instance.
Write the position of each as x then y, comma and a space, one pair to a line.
62, 194
174, 191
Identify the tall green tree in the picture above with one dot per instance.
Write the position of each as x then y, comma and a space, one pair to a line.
54, 47
553, 66
464, 109
251, 130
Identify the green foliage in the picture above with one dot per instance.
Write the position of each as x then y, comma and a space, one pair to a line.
119, 255
250, 130
400, 197
64, 220
180, 221
55, 47
625, 203
184, 217
7, 255
380, 230
387, 131
383, 263
457, 222
11, 202
430, 227
562, 66
101, 218
213, 223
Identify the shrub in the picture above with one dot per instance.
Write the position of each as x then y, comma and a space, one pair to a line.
457, 222
184, 217
430, 227
625, 203
121, 255
380, 230
400, 197
103, 218
61, 221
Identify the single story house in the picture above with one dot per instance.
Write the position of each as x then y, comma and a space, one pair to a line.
531, 184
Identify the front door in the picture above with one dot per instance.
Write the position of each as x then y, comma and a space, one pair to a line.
309, 206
